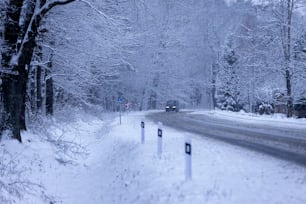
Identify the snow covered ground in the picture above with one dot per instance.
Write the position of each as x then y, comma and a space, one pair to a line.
278, 120
92, 160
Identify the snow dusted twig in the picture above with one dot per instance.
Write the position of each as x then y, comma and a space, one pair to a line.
13, 181
111, 20
8, 71
50, 4
128, 65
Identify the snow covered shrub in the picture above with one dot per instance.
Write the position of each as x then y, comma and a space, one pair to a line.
265, 108
227, 102
56, 132
14, 181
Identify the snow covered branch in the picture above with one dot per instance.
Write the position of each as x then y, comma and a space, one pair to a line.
97, 10
50, 4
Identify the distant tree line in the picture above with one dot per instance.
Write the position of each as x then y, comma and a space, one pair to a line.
262, 63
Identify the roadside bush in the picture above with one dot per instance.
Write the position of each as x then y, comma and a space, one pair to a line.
227, 102
265, 108
300, 108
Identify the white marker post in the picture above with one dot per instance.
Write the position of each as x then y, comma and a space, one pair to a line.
120, 112
188, 153
159, 139
142, 124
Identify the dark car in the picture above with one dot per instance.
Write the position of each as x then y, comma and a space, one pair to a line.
172, 105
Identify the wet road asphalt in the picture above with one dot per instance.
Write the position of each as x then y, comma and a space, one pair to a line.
285, 143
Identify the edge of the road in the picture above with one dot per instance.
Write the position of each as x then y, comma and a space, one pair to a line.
261, 144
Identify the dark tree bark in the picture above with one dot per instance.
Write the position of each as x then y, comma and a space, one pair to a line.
12, 85
11, 31
49, 89
32, 77
38, 89
49, 96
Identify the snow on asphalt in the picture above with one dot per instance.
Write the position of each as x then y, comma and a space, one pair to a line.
116, 168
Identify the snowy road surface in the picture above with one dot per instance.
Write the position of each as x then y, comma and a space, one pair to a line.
286, 142
118, 169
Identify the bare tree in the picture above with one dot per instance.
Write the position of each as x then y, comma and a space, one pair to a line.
287, 7
283, 12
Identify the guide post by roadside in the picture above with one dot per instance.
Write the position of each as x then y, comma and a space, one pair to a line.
159, 139
188, 158
142, 125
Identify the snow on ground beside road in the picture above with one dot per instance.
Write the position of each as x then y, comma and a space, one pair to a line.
111, 166
278, 120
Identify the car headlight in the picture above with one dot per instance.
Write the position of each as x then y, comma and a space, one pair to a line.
173, 106
167, 107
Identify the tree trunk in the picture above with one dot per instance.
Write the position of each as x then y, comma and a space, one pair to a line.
49, 89
12, 85
38, 89
287, 53
289, 94
49, 96
14, 92
15, 83
152, 101
213, 85
32, 86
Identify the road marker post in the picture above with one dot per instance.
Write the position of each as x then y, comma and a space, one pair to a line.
142, 124
120, 113
188, 159
159, 139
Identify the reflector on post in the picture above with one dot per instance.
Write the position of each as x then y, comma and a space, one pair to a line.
188, 152
142, 124
159, 139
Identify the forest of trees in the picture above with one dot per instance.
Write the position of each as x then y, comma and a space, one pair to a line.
234, 55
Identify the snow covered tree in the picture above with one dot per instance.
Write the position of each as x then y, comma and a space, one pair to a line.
284, 11
23, 18
264, 41
219, 29
229, 90
299, 69
91, 53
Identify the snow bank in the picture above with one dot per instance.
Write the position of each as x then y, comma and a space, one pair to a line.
278, 120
